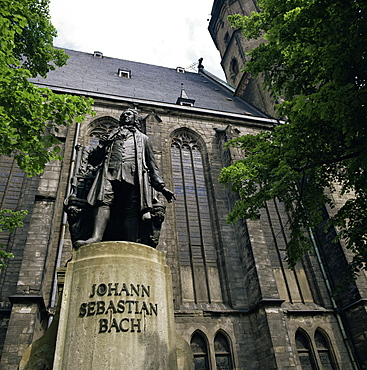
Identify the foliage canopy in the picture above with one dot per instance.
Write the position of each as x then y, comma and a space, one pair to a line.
29, 115
314, 60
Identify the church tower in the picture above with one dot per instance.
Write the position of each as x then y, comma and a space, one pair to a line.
233, 49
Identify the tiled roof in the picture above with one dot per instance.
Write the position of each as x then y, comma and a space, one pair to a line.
85, 73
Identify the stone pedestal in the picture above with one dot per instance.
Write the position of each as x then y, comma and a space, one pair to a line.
116, 310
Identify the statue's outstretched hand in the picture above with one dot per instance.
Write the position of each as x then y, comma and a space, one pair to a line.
168, 195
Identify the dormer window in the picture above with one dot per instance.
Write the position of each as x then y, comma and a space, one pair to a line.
98, 54
180, 70
186, 103
183, 99
124, 72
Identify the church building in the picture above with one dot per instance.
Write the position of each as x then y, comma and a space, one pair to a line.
236, 303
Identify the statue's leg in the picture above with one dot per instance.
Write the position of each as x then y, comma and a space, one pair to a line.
101, 219
131, 219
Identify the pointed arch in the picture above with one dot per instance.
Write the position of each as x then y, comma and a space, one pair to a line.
223, 352
99, 127
196, 244
324, 350
199, 347
304, 349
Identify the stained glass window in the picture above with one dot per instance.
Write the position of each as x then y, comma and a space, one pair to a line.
101, 127
324, 351
222, 352
195, 235
200, 352
304, 351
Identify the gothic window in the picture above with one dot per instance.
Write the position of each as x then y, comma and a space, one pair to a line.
324, 351
234, 68
99, 128
304, 350
197, 255
226, 38
200, 352
222, 352
84, 172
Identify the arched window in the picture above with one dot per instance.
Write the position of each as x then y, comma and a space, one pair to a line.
197, 254
84, 172
304, 350
222, 350
324, 351
98, 128
234, 68
200, 352
227, 38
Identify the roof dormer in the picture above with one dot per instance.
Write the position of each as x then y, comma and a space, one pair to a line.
98, 54
183, 99
124, 73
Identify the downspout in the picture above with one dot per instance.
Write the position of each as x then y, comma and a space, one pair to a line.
64, 222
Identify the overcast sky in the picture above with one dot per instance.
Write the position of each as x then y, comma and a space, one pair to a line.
167, 33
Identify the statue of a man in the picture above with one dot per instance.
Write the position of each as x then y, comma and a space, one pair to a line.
128, 171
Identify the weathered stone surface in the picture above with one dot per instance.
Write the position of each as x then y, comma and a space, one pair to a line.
117, 310
242, 269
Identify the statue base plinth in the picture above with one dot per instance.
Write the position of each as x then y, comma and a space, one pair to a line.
116, 310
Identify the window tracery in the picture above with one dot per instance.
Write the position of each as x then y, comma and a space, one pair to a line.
304, 350
100, 128
324, 352
222, 350
197, 255
200, 352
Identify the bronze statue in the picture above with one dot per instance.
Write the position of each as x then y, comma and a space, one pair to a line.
123, 190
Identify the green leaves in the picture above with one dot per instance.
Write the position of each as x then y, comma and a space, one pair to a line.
9, 220
29, 115
314, 59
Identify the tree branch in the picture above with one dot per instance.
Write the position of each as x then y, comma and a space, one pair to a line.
327, 161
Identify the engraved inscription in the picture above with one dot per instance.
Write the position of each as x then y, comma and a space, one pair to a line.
121, 313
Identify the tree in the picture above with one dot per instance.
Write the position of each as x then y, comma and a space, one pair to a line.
29, 115
314, 58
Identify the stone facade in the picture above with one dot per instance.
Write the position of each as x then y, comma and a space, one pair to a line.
235, 301
326, 265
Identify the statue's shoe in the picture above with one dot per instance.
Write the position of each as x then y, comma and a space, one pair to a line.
79, 243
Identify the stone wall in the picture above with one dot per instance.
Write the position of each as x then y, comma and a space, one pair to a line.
260, 304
